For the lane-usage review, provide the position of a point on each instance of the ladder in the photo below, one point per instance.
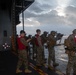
(13, 39)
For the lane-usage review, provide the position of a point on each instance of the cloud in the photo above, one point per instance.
(73, 3)
(50, 16)
(71, 14)
(30, 22)
(35, 8)
(53, 3)
(71, 10)
(38, 8)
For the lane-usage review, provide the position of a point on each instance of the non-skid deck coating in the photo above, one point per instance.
(8, 63)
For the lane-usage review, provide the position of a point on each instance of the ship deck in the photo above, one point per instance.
(8, 62)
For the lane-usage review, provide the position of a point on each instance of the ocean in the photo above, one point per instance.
(60, 56)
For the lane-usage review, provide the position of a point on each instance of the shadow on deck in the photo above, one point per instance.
(8, 62)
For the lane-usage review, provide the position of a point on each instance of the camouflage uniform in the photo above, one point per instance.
(39, 51)
(22, 59)
(71, 55)
(22, 54)
(44, 37)
(39, 56)
(71, 64)
(51, 43)
(34, 47)
(44, 40)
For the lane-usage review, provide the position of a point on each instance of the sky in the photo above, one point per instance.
(48, 15)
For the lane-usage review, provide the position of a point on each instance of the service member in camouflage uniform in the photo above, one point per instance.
(44, 37)
(44, 40)
(71, 51)
(22, 52)
(34, 48)
(39, 46)
(51, 43)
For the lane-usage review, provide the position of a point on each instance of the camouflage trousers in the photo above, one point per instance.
(71, 64)
(22, 59)
(51, 56)
(43, 55)
(34, 51)
(39, 59)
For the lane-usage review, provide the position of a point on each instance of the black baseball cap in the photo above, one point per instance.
(38, 30)
(22, 31)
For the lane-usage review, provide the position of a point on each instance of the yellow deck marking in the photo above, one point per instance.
(41, 72)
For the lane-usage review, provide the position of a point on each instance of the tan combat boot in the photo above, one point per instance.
(55, 64)
(27, 71)
(18, 71)
(51, 67)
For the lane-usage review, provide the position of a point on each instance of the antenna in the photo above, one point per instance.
(23, 14)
